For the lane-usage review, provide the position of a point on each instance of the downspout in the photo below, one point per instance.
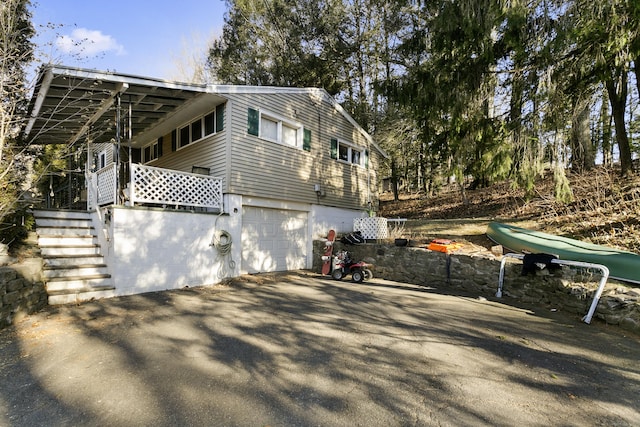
(130, 137)
(88, 175)
(117, 153)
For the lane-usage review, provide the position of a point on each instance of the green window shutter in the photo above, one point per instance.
(220, 117)
(174, 140)
(306, 140)
(253, 122)
(334, 148)
(366, 158)
(160, 143)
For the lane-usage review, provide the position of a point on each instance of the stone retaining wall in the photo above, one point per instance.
(22, 291)
(567, 289)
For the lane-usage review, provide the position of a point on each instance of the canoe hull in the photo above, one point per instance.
(622, 265)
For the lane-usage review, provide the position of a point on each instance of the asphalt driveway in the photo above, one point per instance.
(297, 349)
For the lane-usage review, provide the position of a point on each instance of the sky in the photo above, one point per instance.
(150, 38)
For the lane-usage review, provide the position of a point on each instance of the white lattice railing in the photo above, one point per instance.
(106, 185)
(174, 188)
(372, 227)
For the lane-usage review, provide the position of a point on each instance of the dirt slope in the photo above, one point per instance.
(605, 210)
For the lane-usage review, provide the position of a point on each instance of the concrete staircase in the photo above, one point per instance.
(74, 268)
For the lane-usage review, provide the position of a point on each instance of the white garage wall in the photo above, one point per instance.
(151, 250)
(326, 218)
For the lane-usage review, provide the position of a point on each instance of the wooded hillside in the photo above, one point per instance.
(605, 210)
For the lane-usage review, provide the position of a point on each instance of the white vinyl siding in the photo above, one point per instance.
(262, 169)
(209, 153)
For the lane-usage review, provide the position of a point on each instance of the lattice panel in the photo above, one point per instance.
(106, 178)
(372, 227)
(164, 186)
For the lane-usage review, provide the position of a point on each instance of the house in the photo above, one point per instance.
(180, 184)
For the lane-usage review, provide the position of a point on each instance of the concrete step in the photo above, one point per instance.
(62, 222)
(64, 230)
(73, 250)
(60, 260)
(86, 294)
(64, 240)
(62, 285)
(60, 214)
(74, 271)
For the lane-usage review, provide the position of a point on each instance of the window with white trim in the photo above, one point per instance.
(273, 128)
(348, 153)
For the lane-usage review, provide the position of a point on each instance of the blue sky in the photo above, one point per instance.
(141, 37)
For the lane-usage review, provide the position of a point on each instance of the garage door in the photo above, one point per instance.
(273, 240)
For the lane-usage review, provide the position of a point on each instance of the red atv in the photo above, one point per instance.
(343, 265)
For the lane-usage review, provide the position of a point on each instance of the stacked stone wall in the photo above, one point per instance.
(567, 288)
(19, 294)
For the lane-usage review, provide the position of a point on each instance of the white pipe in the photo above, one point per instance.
(603, 280)
(502, 264)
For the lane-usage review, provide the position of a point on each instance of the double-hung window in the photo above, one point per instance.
(273, 128)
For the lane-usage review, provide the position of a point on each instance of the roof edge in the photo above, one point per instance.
(62, 70)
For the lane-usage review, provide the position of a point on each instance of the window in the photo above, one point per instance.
(348, 153)
(102, 159)
(196, 130)
(209, 123)
(289, 135)
(273, 128)
(185, 136)
(201, 127)
(269, 129)
(153, 151)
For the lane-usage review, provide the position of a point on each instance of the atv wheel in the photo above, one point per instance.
(337, 274)
(368, 274)
(357, 276)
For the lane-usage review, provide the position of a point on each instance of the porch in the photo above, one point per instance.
(152, 186)
(143, 186)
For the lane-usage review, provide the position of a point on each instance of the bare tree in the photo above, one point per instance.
(16, 52)
(190, 64)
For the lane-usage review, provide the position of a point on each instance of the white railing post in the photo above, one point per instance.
(133, 171)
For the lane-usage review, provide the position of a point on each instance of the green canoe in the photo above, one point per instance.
(622, 265)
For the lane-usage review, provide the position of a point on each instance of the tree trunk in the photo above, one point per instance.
(394, 179)
(515, 121)
(605, 119)
(636, 65)
(582, 150)
(617, 89)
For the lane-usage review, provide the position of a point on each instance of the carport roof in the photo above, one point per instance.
(71, 102)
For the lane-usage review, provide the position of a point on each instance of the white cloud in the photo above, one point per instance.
(82, 41)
